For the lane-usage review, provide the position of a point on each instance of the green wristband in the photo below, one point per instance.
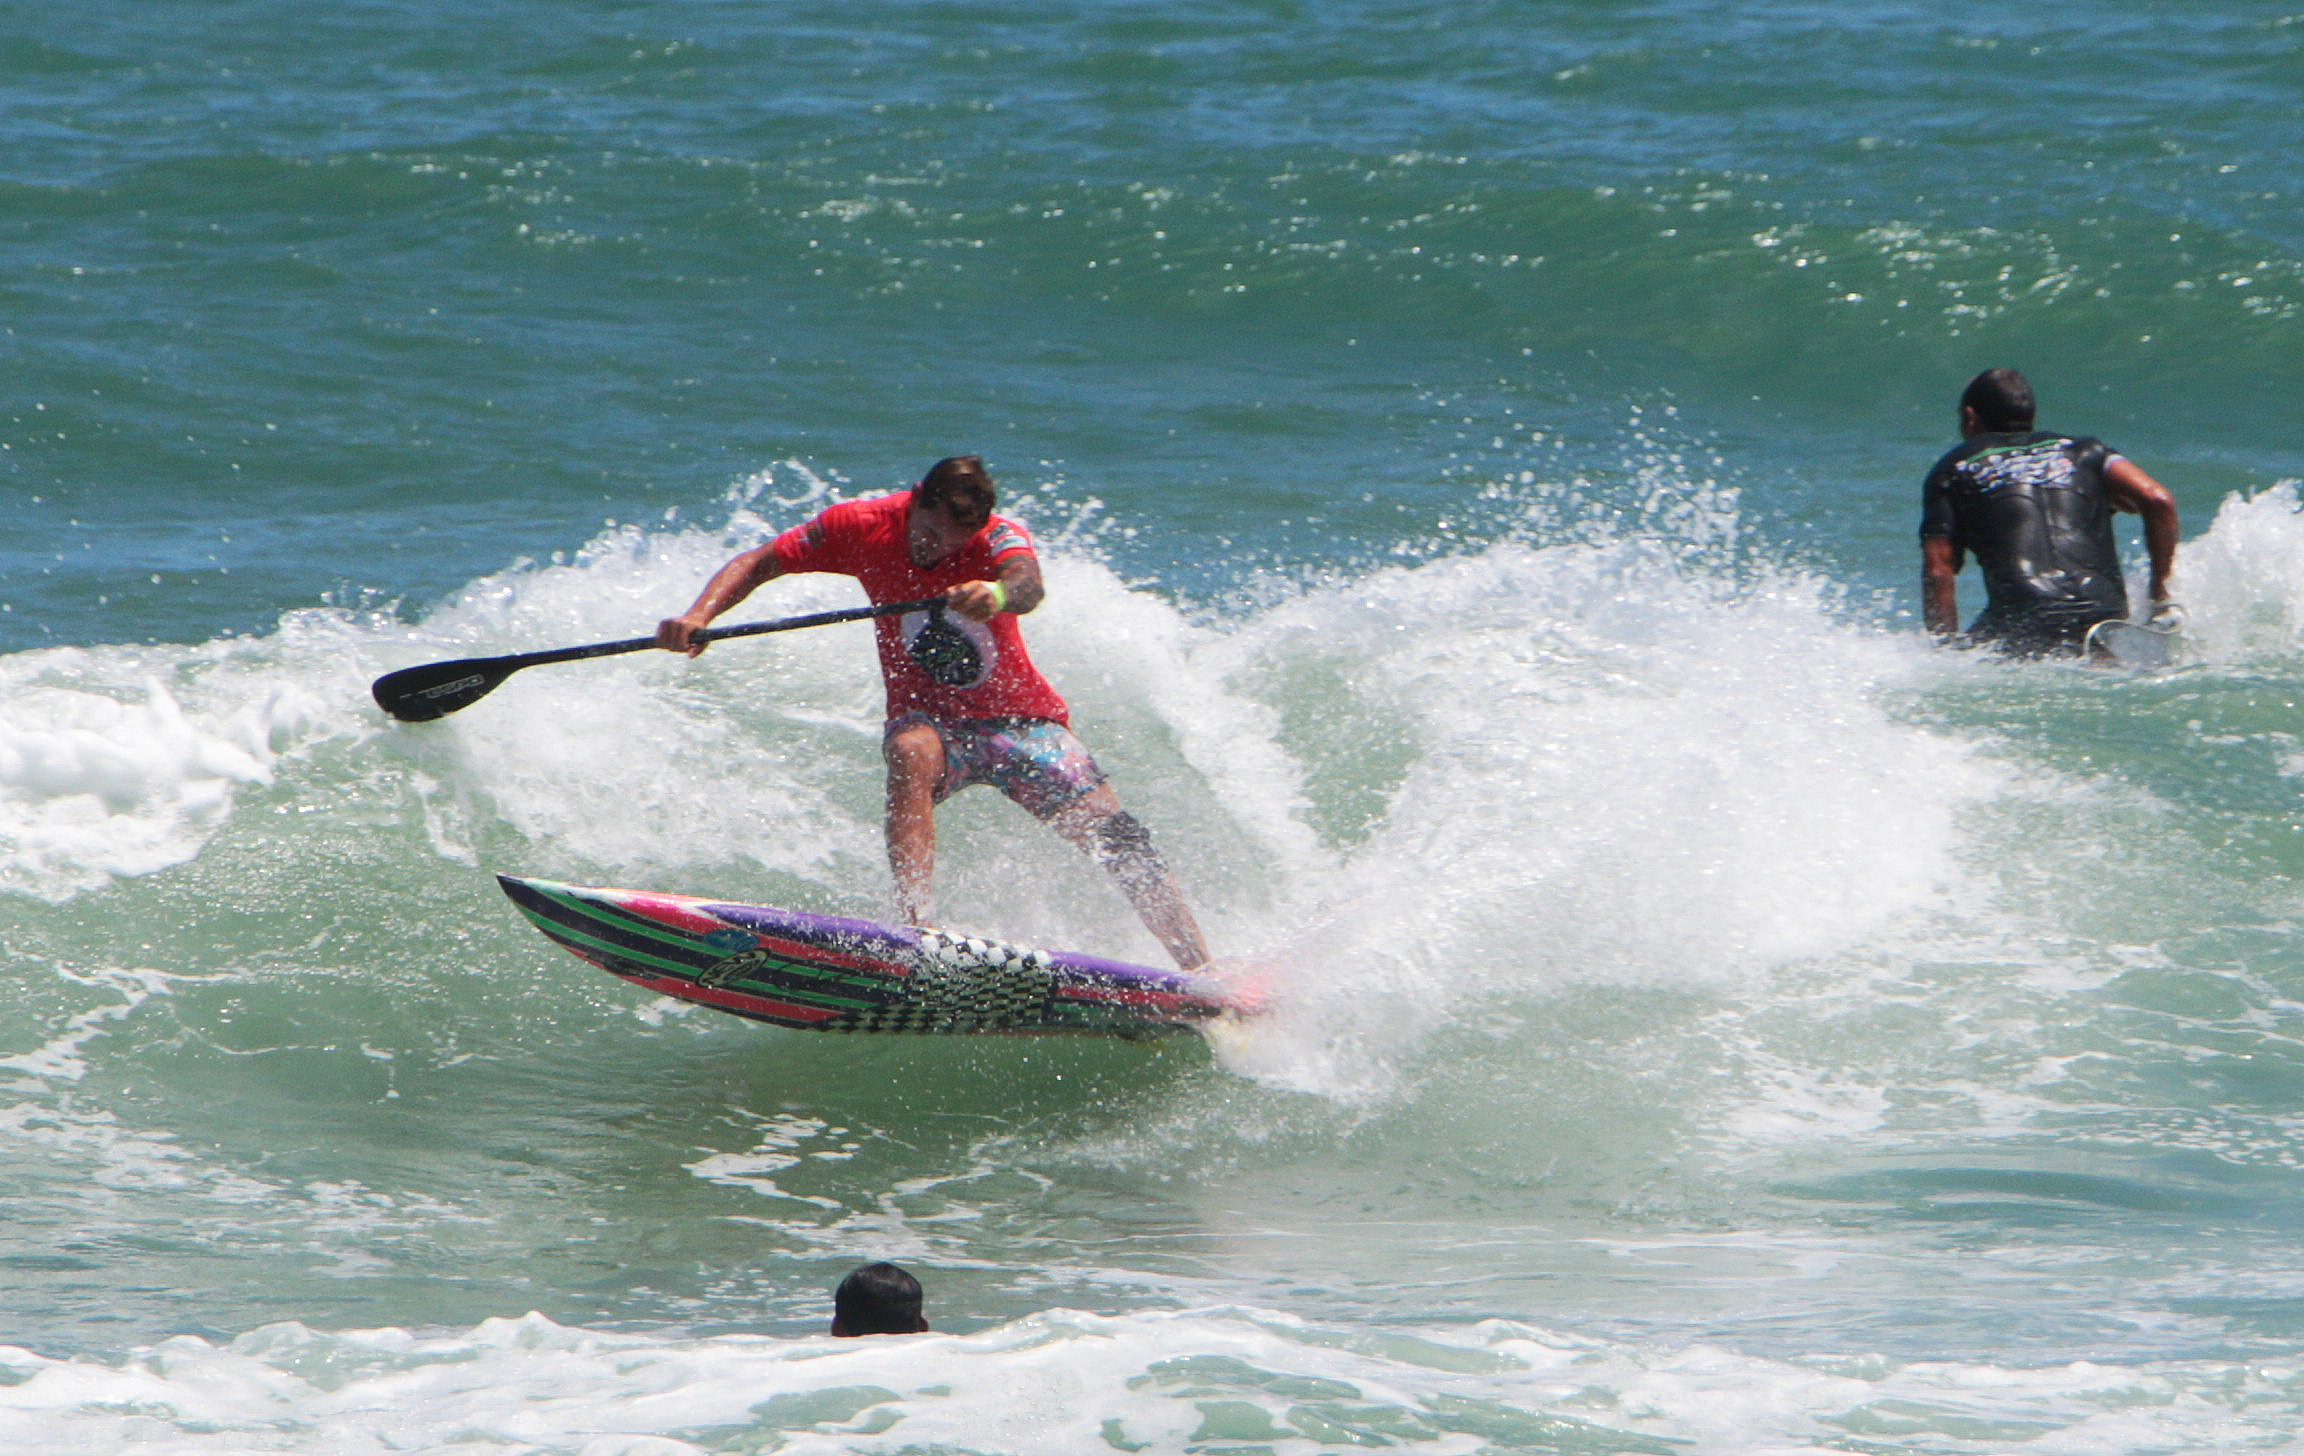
(999, 596)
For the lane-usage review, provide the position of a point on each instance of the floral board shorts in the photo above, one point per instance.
(1035, 762)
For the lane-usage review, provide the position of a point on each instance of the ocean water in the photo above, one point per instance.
(1475, 453)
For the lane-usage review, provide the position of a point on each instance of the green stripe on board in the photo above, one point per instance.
(656, 930)
(554, 930)
(814, 993)
(623, 919)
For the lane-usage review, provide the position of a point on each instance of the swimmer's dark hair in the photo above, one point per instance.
(2002, 399)
(962, 486)
(877, 1299)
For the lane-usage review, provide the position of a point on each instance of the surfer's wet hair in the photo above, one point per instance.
(2002, 399)
(877, 1299)
(962, 487)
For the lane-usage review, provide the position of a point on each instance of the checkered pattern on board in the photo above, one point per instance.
(961, 983)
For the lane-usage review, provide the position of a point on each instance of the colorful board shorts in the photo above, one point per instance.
(1034, 761)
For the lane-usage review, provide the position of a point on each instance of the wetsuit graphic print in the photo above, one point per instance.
(2045, 465)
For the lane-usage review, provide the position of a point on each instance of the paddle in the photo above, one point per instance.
(420, 694)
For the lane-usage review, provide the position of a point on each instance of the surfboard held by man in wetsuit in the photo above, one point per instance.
(2144, 645)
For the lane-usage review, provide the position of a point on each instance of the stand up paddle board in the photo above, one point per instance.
(827, 973)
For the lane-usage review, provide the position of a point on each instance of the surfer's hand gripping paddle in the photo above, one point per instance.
(420, 694)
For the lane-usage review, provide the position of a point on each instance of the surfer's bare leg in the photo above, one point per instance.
(915, 754)
(1113, 838)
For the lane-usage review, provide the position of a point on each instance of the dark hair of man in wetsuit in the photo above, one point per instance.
(2002, 399)
(962, 486)
(877, 1299)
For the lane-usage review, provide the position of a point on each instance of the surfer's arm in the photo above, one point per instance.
(729, 585)
(1020, 589)
(1939, 585)
(2132, 490)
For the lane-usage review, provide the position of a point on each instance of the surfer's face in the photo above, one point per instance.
(931, 534)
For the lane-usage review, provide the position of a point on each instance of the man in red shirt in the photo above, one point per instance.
(965, 704)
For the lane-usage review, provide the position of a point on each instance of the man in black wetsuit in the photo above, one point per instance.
(2036, 508)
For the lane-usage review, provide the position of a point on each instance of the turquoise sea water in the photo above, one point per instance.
(1475, 451)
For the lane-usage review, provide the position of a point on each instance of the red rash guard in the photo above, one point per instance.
(866, 540)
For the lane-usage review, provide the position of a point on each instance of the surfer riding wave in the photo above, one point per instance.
(964, 703)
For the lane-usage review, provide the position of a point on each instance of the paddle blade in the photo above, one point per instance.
(420, 694)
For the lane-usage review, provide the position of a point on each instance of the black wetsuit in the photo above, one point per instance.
(2035, 510)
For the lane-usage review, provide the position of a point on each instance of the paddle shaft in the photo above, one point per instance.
(420, 694)
(714, 634)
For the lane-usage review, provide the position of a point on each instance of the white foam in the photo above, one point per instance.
(1623, 772)
(2242, 580)
(63, 1057)
(1066, 1382)
(104, 773)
